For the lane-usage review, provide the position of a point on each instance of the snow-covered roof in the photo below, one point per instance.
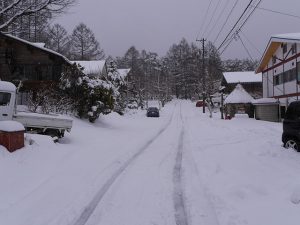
(262, 101)
(37, 45)
(7, 86)
(242, 77)
(123, 72)
(10, 126)
(94, 67)
(273, 44)
(238, 95)
(291, 37)
(40, 45)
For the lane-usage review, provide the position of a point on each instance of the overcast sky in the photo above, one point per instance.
(154, 25)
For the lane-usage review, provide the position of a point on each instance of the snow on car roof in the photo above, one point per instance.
(242, 77)
(91, 67)
(7, 86)
(239, 95)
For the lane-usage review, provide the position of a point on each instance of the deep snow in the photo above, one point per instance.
(181, 168)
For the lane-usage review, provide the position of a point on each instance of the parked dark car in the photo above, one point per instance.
(291, 127)
(152, 112)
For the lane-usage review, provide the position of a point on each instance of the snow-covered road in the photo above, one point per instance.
(182, 168)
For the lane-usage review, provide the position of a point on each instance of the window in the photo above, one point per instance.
(286, 76)
(298, 70)
(293, 74)
(4, 99)
(278, 79)
(284, 48)
(274, 59)
(294, 48)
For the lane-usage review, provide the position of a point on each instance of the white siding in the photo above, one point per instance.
(265, 84)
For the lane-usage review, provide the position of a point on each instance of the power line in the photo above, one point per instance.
(230, 32)
(204, 19)
(245, 47)
(277, 12)
(233, 35)
(223, 26)
(218, 19)
(251, 43)
(212, 16)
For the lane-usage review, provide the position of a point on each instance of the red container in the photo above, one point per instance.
(12, 140)
(199, 103)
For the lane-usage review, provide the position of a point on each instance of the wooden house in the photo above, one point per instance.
(21, 60)
(251, 82)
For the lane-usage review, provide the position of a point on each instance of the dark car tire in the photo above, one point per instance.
(292, 143)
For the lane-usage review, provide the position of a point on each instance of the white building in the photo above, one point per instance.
(280, 66)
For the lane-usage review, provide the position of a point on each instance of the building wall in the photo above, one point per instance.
(19, 61)
(280, 80)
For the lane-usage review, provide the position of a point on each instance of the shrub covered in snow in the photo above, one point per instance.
(91, 96)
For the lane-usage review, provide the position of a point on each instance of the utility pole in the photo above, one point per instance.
(203, 72)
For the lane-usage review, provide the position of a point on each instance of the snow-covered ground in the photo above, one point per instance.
(182, 168)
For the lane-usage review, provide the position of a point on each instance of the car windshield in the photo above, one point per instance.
(152, 109)
(4, 98)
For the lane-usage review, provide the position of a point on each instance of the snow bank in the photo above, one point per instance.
(10, 126)
(239, 95)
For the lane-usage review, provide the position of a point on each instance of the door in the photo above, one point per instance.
(6, 106)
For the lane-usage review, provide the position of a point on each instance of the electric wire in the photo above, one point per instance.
(233, 35)
(277, 12)
(227, 18)
(212, 16)
(247, 50)
(250, 42)
(204, 19)
(230, 32)
(218, 19)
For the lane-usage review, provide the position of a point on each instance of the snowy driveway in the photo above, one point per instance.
(182, 168)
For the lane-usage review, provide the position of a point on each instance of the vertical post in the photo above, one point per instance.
(203, 72)
(222, 105)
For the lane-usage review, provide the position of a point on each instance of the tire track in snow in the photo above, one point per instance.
(181, 217)
(90, 208)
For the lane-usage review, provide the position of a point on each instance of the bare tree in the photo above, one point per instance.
(84, 44)
(12, 10)
(58, 39)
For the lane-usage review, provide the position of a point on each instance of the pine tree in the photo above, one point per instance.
(84, 44)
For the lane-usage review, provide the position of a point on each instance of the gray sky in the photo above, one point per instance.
(154, 25)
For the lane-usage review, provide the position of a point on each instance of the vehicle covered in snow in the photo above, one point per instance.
(49, 124)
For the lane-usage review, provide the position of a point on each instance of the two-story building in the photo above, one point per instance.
(280, 68)
(32, 63)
